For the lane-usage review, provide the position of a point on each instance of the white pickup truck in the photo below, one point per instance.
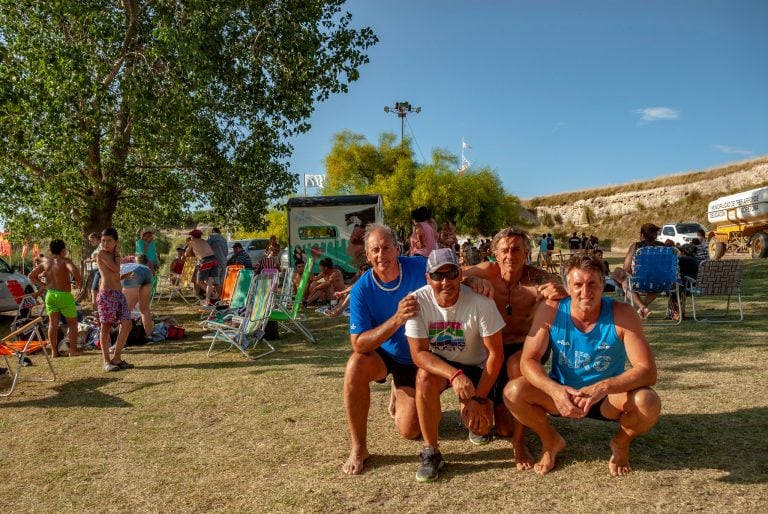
(681, 233)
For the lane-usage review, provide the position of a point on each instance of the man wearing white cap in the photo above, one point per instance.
(455, 341)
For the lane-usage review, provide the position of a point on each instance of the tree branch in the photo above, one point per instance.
(132, 15)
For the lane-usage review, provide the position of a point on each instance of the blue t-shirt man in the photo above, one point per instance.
(371, 303)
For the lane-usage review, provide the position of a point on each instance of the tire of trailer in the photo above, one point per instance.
(759, 245)
(716, 249)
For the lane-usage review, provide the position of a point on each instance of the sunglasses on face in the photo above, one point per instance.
(438, 276)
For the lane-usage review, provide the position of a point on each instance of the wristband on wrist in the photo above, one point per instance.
(455, 374)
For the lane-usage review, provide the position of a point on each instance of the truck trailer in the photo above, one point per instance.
(739, 224)
(333, 224)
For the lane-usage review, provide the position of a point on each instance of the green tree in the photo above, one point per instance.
(125, 113)
(353, 166)
(476, 200)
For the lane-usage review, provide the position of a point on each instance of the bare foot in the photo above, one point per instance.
(549, 457)
(619, 463)
(356, 462)
(392, 397)
(644, 312)
(523, 458)
(332, 313)
(76, 353)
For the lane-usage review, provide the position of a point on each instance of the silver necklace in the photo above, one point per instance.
(389, 289)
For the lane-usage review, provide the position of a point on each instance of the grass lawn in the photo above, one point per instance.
(186, 433)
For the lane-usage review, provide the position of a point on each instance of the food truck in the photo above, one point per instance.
(333, 224)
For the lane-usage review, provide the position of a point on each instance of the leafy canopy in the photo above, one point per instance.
(131, 112)
(475, 200)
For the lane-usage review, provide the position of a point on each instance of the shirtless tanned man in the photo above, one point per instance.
(456, 343)
(208, 265)
(591, 338)
(517, 289)
(326, 283)
(379, 307)
(111, 303)
(59, 301)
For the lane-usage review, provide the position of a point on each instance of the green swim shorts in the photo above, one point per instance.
(60, 301)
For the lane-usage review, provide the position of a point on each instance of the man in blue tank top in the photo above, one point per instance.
(379, 305)
(591, 337)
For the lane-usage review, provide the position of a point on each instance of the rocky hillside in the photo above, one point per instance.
(616, 212)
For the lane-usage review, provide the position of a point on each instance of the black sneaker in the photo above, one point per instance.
(431, 462)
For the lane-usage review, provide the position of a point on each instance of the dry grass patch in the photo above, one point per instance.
(185, 433)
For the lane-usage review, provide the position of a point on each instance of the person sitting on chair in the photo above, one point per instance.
(326, 283)
(240, 256)
(648, 233)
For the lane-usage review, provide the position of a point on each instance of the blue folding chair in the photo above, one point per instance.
(655, 271)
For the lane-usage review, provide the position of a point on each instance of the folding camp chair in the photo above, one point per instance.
(655, 271)
(286, 311)
(152, 295)
(245, 333)
(717, 278)
(286, 288)
(29, 305)
(227, 289)
(15, 351)
(238, 300)
(177, 284)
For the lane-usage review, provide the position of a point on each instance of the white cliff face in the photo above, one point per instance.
(629, 202)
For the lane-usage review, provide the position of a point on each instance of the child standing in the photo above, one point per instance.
(58, 297)
(110, 301)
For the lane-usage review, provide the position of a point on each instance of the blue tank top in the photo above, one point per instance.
(581, 359)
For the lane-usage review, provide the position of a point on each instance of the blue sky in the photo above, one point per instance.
(558, 95)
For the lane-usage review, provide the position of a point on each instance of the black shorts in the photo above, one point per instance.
(509, 349)
(474, 373)
(403, 375)
(594, 412)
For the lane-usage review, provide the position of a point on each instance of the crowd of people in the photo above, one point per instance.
(481, 320)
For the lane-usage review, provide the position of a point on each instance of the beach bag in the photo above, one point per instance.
(176, 332)
(137, 336)
(271, 332)
(208, 264)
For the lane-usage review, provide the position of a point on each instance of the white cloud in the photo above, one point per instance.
(731, 149)
(658, 113)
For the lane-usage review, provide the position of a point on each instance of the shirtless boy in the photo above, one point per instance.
(58, 298)
(111, 303)
(208, 265)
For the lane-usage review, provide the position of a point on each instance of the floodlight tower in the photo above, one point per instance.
(402, 109)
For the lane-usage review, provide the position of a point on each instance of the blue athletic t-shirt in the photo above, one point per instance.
(370, 306)
(581, 359)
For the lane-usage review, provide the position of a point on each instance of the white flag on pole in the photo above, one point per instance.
(314, 180)
(465, 145)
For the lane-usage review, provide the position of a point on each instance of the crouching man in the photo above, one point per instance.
(591, 338)
(455, 341)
